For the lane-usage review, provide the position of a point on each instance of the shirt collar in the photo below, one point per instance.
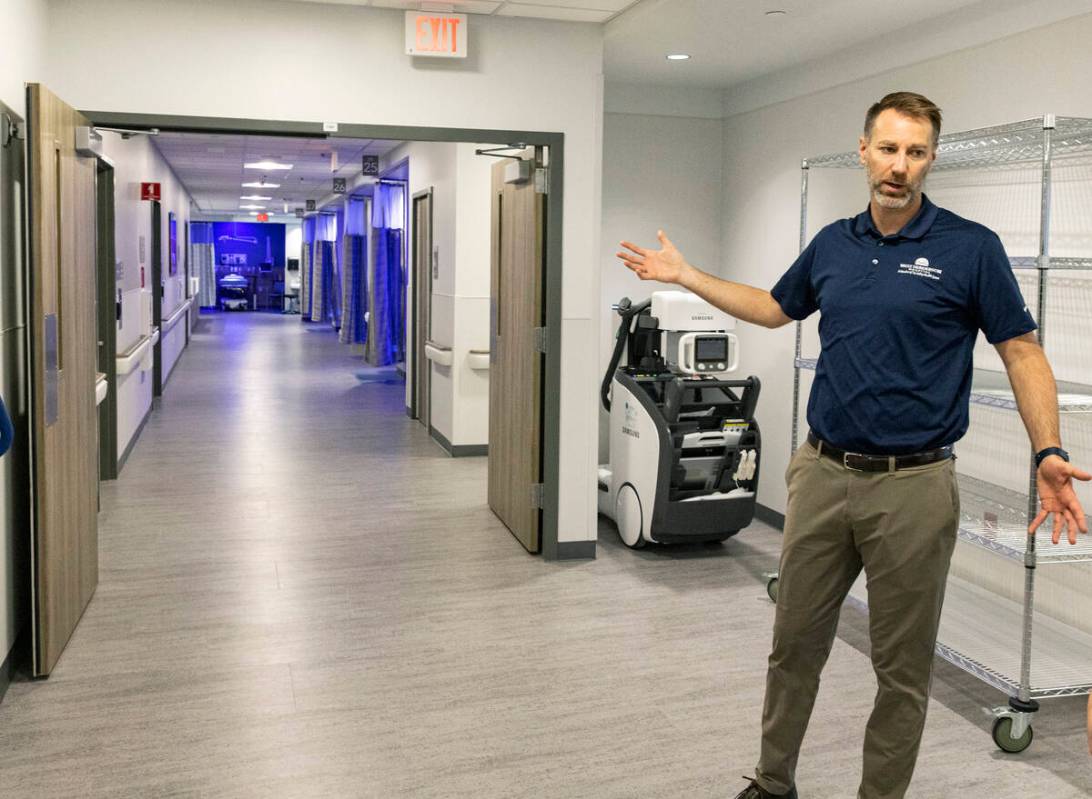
(916, 228)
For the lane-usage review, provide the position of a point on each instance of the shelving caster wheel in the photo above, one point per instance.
(771, 587)
(1004, 729)
(1012, 730)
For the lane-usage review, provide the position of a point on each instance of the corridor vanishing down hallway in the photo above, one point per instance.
(302, 595)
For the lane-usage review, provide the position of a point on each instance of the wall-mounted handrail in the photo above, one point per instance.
(478, 359)
(128, 360)
(179, 312)
(438, 354)
(102, 388)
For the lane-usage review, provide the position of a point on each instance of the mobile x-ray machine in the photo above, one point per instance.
(684, 444)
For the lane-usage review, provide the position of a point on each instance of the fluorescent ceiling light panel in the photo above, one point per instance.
(269, 166)
(261, 185)
(259, 207)
(678, 57)
(255, 197)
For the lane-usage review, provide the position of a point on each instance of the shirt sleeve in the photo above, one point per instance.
(999, 307)
(794, 292)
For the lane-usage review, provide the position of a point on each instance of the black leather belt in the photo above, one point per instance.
(877, 463)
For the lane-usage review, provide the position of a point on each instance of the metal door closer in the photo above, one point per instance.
(684, 444)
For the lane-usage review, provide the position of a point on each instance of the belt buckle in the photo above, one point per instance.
(845, 461)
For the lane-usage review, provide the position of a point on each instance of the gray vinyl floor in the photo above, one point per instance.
(302, 596)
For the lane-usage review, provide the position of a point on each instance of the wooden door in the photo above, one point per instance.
(158, 290)
(515, 365)
(422, 297)
(63, 337)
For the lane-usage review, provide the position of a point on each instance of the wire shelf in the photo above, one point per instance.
(1032, 262)
(980, 633)
(1014, 143)
(1076, 401)
(996, 518)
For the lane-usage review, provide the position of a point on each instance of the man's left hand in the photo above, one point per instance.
(1056, 495)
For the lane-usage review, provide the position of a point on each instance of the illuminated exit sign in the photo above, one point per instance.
(436, 35)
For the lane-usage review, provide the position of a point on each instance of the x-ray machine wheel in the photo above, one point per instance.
(628, 515)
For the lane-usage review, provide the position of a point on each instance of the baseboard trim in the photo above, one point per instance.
(469, 450)
(457, 450)
(7, 671)
(575, 550)
(770, 516)
(133, 441)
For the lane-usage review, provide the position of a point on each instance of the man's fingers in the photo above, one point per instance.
(1078, 514)
(1038, 520)
(1057, 533)
(1080, 474)
(664, 240)
(1071, 527)
(631, 246)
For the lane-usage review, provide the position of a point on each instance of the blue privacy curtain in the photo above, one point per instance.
(325, 303)
(203, 258)
(354, 272)
(307, 258)
(387, 296)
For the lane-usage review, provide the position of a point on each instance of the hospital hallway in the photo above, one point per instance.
(301, 594)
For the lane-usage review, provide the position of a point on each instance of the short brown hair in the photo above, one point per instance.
(910, 104)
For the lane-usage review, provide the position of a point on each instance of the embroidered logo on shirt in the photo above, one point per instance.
(921, 268)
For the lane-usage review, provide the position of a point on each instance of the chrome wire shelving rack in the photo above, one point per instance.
(973, 633)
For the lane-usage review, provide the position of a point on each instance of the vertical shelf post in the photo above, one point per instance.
(1033, 494)
(799, 325)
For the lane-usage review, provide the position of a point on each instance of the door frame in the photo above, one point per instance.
(156, 248)
(420, 397)
(108, 310)
(552, 549)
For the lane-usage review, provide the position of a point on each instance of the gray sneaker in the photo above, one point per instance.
(754, 791)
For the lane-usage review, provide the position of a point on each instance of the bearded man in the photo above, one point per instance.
(902, 290)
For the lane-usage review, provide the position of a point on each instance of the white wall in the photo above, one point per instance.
(350, 67)
(461, 230)
(136, 160)
(21, 56)
(658, 172)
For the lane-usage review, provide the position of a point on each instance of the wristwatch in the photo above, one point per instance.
(1043, 453)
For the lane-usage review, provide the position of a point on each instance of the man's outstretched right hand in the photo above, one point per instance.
(666, 265)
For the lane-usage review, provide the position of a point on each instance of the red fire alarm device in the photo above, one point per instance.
(149, 191)
(263, 217)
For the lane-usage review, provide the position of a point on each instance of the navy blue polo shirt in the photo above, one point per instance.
(898, 320)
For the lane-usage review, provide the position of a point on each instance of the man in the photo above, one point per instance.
(903, 290)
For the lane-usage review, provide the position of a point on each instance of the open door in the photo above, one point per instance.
(422, 307)
(63, 336)
(515, 361)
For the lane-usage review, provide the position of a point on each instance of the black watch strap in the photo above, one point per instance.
(1043, 453)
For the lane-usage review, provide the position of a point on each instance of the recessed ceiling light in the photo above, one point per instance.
(254, 197)
(258, 207)
(262, 185)
(678, 57)
(267, 165)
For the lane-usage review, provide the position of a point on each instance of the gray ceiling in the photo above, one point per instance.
(211, 167)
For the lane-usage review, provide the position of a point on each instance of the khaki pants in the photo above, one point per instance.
(901, 527)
